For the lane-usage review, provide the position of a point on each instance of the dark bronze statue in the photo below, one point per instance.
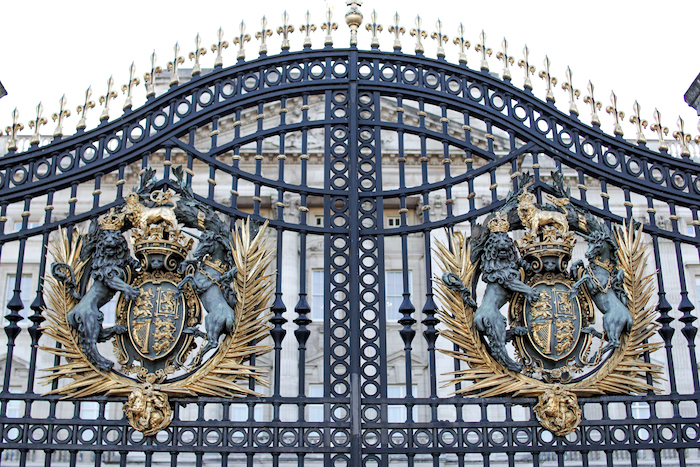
(500, 269)
(603, 278)
(212, 270)
(109, 266)
(211, 273)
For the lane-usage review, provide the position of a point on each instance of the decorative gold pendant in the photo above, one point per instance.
(148, 410)
(558, 410)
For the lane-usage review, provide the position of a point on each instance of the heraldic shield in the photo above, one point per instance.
(167, 289)
(555, 323)
(155, 322)
(550, 345)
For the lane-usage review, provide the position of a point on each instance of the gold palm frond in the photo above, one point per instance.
(254, 288)
(626, 371)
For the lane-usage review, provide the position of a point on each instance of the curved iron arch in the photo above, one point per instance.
(624, 151)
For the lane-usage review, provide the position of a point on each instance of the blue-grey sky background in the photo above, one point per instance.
(642, 50)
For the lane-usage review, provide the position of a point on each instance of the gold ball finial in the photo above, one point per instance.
(353, 18)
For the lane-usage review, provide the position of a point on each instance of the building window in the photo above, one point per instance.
(319, 221)
(25, 295)
(394, 294)
(30, 225)
(314, 412)
(317, 287)
(640, 411)
(397, 413)
(15, 408)
(239, 412)
(393, 222)
(89, 410)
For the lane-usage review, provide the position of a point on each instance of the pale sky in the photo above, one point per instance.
(642, 50)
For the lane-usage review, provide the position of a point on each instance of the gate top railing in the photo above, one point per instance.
(38, 163)
(678, 143)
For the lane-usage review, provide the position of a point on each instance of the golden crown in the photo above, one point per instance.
(553, 243)
(112, 220)
(161, 239)
(499, 223)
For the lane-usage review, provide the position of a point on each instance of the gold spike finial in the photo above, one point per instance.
(636, 118)
(106, 98)
(128, 88)
(397, 30)
(172, 66)
(262, 35)
(240, 41)
(573, 92)
(13, 130)
(481, 47)
(82, 109)
(463, 44)
(612, 109)
(595, 105)
(419, 33)
(353, 18)
(374, 27)
(660, 130)
(550, 80)
(62, 113)
(149, 79)
(329, 26)
(682, 138)
(529, 69)
(507, 59)
(308, 28)
(286, 29)
(219, 48)
(440, 38)
(198, 52)
(36, 123)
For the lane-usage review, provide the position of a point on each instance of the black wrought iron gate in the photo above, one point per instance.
(359, 159)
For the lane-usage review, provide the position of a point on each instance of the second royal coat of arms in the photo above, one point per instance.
(551, 344)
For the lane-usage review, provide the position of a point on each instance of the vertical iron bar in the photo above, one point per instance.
(354, 241)
(685, 306)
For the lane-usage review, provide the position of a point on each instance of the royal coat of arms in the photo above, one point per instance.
(167, 290)
(550, 344)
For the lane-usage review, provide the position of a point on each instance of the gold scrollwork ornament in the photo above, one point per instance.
(558, 410)
(148, 410)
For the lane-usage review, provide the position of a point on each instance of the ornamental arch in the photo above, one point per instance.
(361, 160)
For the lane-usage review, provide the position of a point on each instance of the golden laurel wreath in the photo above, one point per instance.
(624, 372)
(216, 377)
